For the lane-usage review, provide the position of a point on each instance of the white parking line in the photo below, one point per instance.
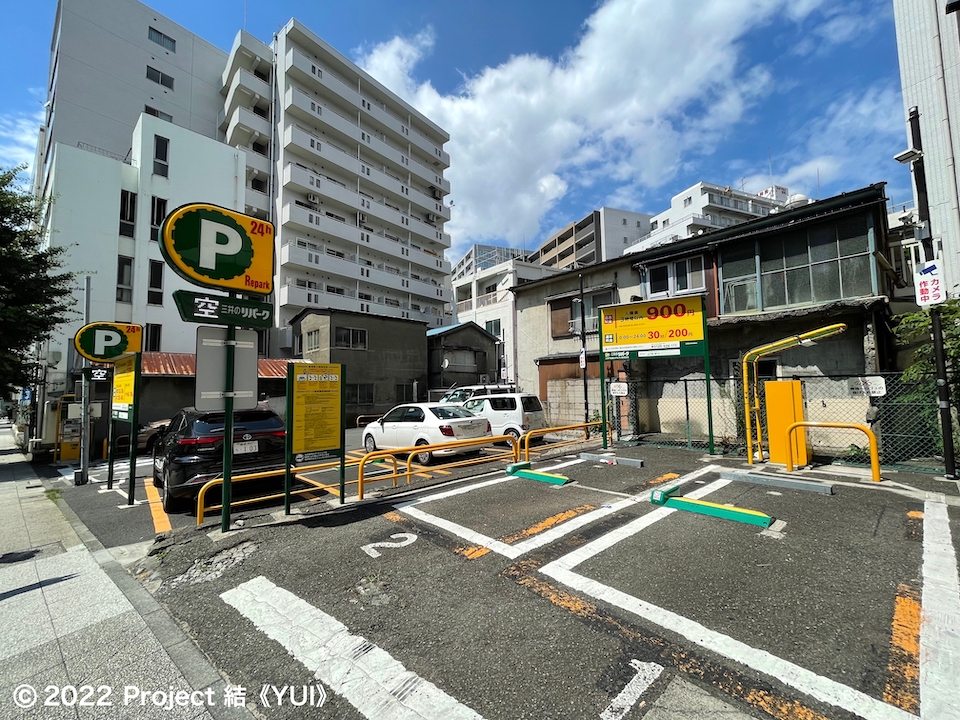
(368, 677)
(647, 672)
(939, 617)
(814, 685)
(544, 538)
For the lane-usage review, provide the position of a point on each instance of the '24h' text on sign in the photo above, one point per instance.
(659, 328)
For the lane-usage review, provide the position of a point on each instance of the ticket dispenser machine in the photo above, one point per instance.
(784, 405)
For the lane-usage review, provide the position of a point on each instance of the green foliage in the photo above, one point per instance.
(34, 296)
(913, 328)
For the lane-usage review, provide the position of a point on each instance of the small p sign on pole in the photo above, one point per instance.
(104, 342)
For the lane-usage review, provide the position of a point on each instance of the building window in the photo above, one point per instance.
(687, 201)
(405, 393)
(654, 224)
(311, 341)
(160, 39)
(158, 113)
(152, 339)
(259, 148)
(161, 156)
(361, 394)
(675, 278)
(128, 213)
(493, 327)
(258, 185)
(351, 338)
(155, 283)
(158, 211)
(160, 77)
(624, 221)
(124, 279)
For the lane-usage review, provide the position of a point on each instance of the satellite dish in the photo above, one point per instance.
(445, 364)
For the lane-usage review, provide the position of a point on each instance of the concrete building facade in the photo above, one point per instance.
(928, 45)
(602, 235)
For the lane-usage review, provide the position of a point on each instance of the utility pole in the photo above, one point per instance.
(914, 157)
(83, 477)
(583, 353)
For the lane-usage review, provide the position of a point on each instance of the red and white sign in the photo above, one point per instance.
(929, 284)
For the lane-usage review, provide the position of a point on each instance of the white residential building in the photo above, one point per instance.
(482, 292)
(928, 44)
(602, 235)
(704, 207)
(292, 132)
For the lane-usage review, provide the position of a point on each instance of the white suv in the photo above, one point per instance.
(509, 413)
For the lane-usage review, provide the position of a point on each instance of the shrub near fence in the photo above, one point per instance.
(674, 412)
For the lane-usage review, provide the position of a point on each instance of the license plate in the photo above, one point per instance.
(239, 448)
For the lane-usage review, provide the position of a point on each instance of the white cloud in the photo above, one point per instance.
(646, 84)
(18, 138)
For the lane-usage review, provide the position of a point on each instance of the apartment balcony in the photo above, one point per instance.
(432, 176)
(434, 261)
(592, 324)
(494, 298)
(320, 258)
(429, 204)
(440, 158)
(310, 110)
(257, 165)
(247, 53)
(728, 203)
(302, 180)
(465, 306)
(245, 90)
(302, 142)
(306, 70)
(423, 287)
(307, 220)
(256, 200)
(244, 126)
(291, 295)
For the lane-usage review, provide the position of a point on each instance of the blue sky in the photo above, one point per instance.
(557, 107)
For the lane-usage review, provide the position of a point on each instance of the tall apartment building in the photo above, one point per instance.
(704, 207)
(928, 44)
(602, 235)
(143, 116)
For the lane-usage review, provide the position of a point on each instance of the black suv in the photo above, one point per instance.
(189, 451)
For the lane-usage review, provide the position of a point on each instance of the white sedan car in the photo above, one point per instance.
(424, 424)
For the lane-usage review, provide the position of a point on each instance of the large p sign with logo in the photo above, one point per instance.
(218, 248)
(105, 342)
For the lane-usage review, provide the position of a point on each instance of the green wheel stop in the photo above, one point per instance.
(702, 507)
(546, 477)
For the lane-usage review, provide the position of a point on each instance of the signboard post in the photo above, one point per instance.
(672, 327)
(315, 418)
(222, 249)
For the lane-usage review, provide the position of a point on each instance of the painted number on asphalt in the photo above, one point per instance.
(403, 539)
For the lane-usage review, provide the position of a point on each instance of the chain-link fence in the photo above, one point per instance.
(905, 417)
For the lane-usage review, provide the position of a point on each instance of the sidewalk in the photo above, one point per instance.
(71, 616)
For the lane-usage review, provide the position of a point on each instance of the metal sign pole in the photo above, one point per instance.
(111, 438)
(343, 425)
(231, 345)
(288, 442)
(603, 384)
(134, 419)
(706, 372)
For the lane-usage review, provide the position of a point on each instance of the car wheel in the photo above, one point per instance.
(170, 503)
(369, 444)
(425, 457)
(157, 480)
(512, 432)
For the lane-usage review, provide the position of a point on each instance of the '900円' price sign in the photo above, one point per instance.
(657, 328)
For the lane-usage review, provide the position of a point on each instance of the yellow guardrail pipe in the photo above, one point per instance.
(751, 405)
(526, 438)
(874, 453)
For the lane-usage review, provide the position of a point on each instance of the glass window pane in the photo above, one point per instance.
(771, 254)
(774, 292)
(826, 281)
(823, 244)
(855, 272)
(852, 233)
(795, 250)
(680, 275)
(738, 259)
(696, 273)
(798, 286)
(659, 279)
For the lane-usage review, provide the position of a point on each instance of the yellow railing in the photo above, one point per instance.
(874, 453)
(526, 438)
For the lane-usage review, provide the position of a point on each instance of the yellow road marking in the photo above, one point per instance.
(476, 551)
(161, 522)
(903, 668)
(915, 514)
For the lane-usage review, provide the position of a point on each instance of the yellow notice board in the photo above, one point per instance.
(124, 381)
(317, 406)
(672, 326)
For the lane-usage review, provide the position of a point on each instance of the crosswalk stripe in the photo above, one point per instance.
(368, 677)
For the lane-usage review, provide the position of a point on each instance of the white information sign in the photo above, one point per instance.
(928, 284)
(618, 389)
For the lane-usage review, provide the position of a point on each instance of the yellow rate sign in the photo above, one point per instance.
(316, 407)
(656, 326)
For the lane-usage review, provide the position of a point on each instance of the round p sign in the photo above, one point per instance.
(105, 342)
(218, 248)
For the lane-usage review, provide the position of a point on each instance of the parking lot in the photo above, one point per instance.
(517, 598)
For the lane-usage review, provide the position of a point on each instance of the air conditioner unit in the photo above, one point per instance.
(313, 198)
(431, 217)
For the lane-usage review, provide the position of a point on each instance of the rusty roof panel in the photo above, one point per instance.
(164, 364)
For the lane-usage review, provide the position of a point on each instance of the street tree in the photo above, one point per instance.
(35, 292)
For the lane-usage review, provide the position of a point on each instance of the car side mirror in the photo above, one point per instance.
(380, 420)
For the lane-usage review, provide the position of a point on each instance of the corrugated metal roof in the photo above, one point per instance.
(163, 364)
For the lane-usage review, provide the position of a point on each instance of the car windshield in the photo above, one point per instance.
(450, 412)
(456, 396)
(255, 421)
